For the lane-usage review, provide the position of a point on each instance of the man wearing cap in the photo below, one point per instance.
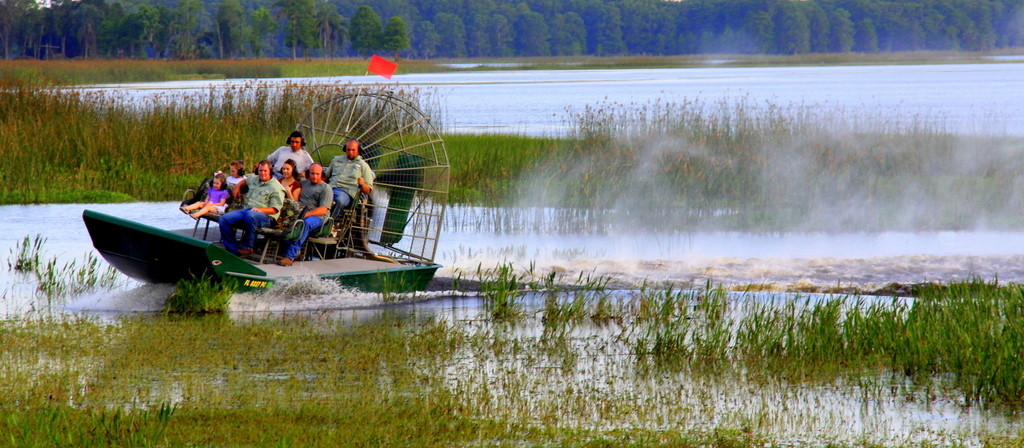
(264, 199)
(316, 197)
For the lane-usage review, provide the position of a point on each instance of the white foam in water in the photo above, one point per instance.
(142, 298)
(784, 261)
(315, 294)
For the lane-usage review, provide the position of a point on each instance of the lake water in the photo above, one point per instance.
(969, 98)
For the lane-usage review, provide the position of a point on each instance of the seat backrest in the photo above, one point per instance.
(199, 194)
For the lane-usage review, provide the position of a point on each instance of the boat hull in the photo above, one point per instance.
(153, 255)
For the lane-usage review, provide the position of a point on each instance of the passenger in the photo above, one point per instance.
(264, 199)
(290, 180)
(315, 197)
(349, 175)
(237, 171)
(216, 198)
(293, 151)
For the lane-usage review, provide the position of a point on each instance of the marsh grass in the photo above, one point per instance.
(739, 164)
(200, 295)
(26, 256)
(687, 368)
(106, 146)
(502, 288)
(59, 279)
(72, 72)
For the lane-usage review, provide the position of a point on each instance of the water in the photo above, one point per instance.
(968, 98)
(785, 261)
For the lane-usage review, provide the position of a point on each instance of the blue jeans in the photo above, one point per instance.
(312, 223)
(341, 201)
(248, 220)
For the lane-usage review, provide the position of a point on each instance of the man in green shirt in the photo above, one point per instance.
(349, 175)
(264, 199)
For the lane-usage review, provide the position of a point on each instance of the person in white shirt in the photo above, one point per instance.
(294, 152)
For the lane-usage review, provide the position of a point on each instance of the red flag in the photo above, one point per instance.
(381, 66)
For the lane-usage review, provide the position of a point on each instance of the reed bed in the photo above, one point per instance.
(737, 164)
(675, 368)
(98, 141)
(77, 72)
(56, 279)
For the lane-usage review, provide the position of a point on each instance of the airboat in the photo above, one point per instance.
(386, 242)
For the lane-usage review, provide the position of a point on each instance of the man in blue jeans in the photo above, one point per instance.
(264, 199)
(349, 175)
(316, 197)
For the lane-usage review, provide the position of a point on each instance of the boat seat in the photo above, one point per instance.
(286, 227)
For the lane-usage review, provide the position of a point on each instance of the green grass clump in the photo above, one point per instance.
(200, 295)
(502, 289)
(486, 168)
(56, 279)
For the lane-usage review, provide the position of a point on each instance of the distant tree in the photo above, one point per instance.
(365, 31)
(89, 16)
(759, 26)
(866, 37)
(818, 26)
(396, 36)
(263, 26)
(453, 35)
(426, 39)
(30, 30)
(231, 28)
(568, 35)
(842, 38)
(500, 36)
(793, 35)
(12, 13)
(604, 29)
(330, 29)
(300, 26)
(184, 28)
(531, 34)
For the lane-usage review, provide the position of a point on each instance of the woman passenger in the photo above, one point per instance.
(290, 181)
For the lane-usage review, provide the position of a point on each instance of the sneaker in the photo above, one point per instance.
(244, 252)
(285, 261)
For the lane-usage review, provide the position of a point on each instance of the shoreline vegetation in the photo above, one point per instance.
(110, 71)
(659, 166)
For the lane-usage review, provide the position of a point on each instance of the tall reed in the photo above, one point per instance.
(746, 165)
(57, 279)
(103, 141)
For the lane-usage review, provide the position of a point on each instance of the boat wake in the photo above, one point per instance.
(806, 263)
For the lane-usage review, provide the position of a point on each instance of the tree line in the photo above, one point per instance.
(191, 29)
